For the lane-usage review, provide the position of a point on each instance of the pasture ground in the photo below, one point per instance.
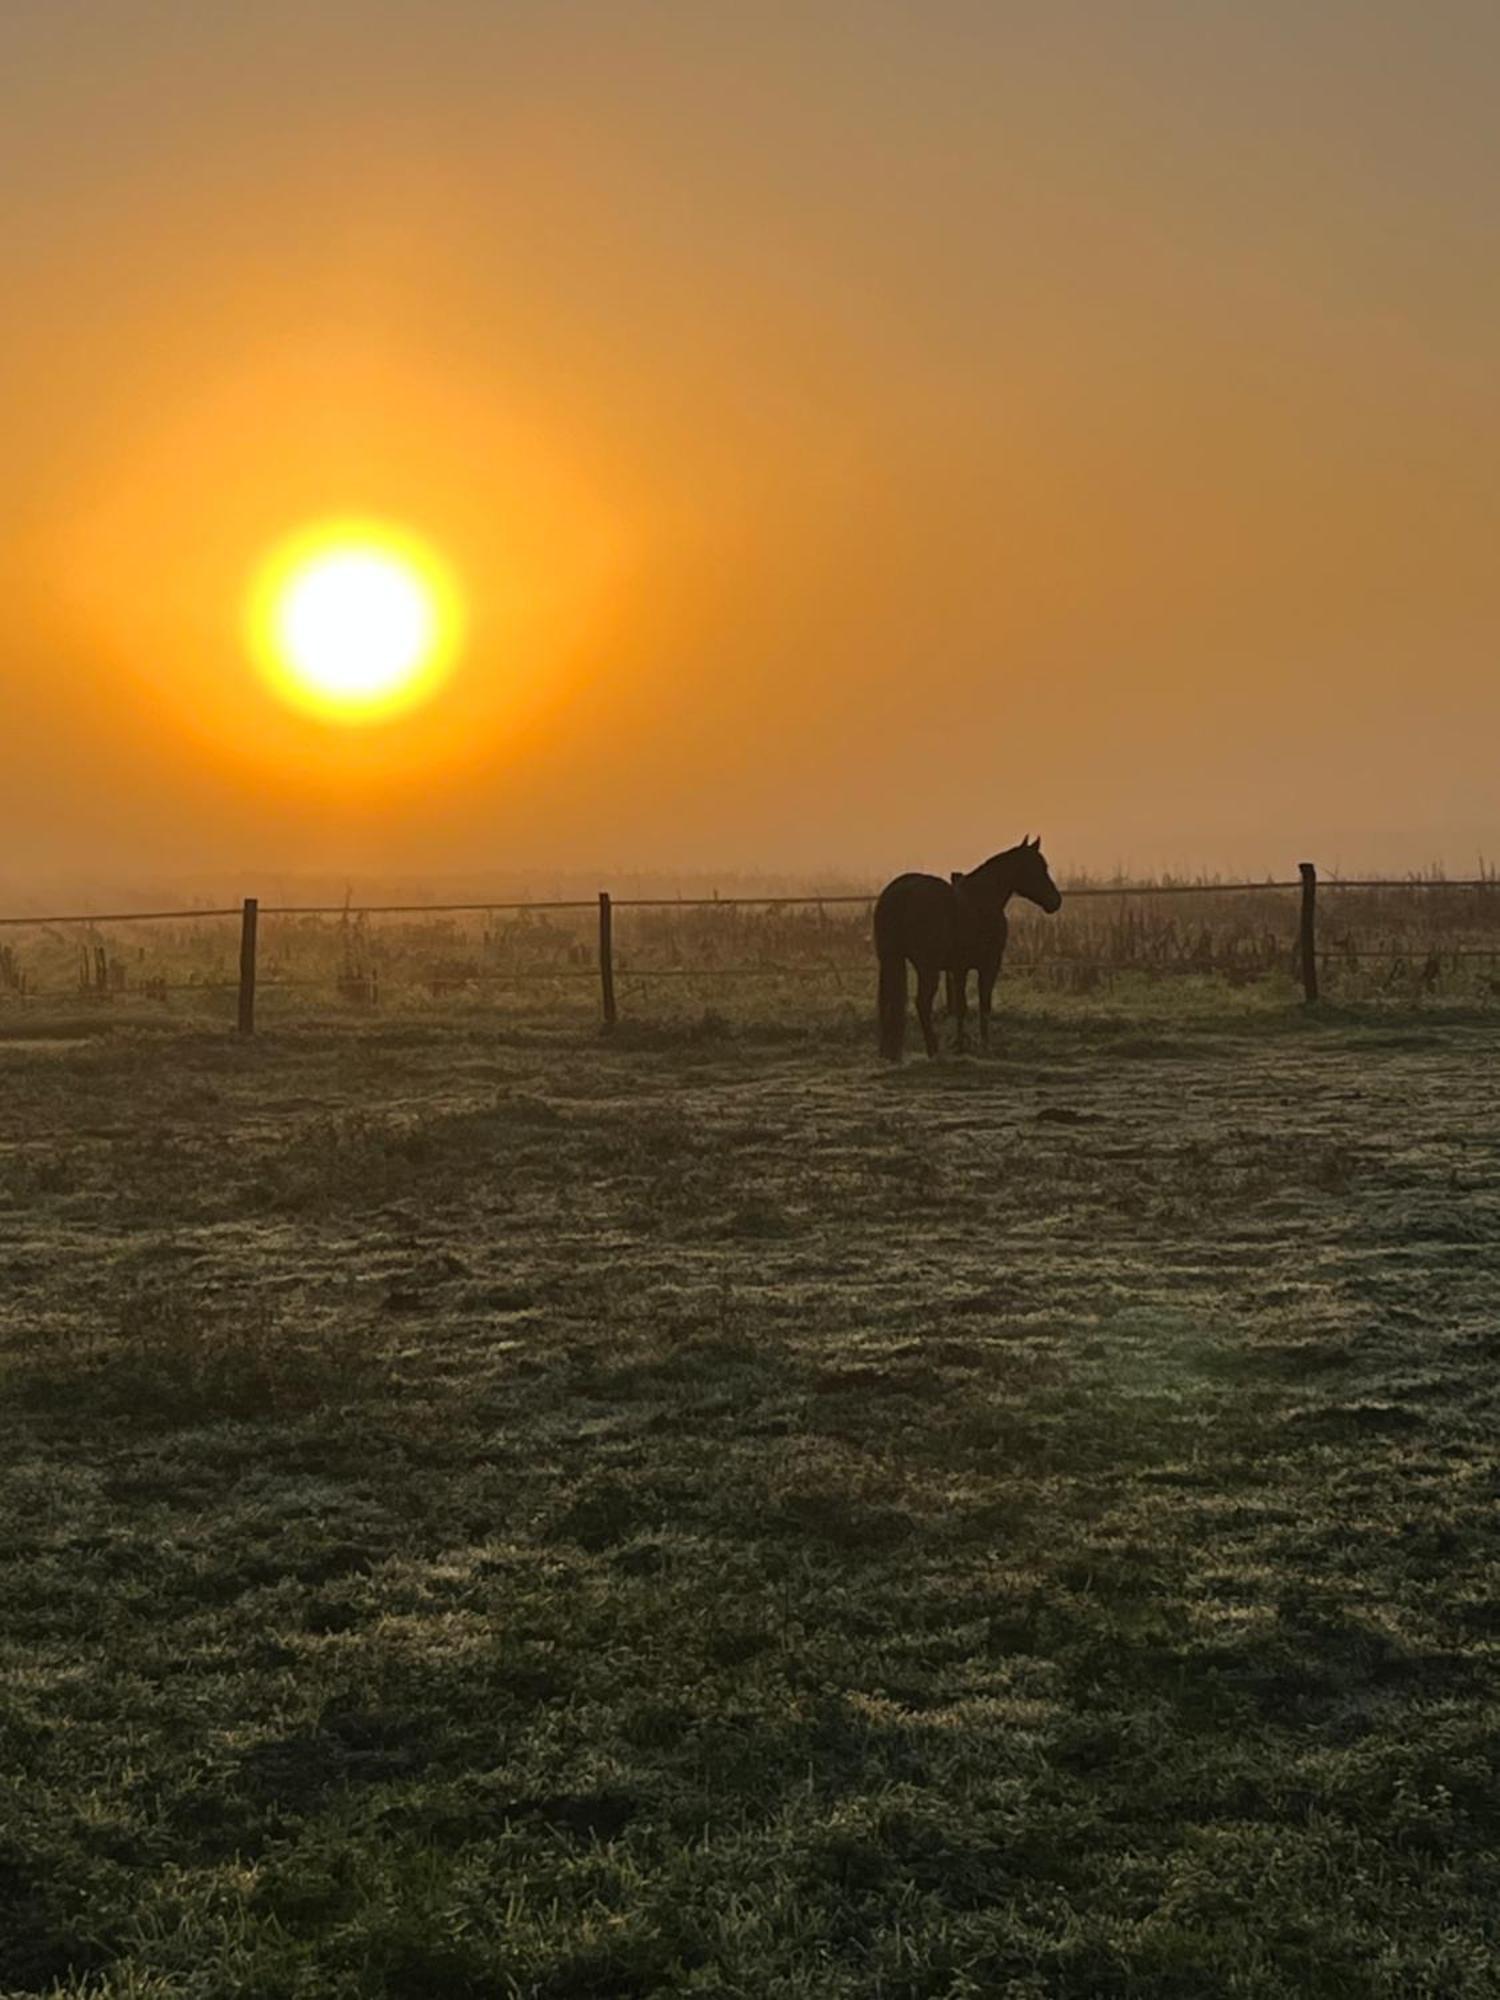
(505, 1513)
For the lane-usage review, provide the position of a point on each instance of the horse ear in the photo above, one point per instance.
(1036, 845)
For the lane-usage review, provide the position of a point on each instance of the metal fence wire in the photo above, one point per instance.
(1423, 932)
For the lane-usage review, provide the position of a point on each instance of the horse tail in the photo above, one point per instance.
(892, 1005)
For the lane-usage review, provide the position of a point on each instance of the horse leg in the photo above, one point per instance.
(987, 977)
(927, 986)
(958, 988)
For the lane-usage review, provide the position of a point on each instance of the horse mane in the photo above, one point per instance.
(992, 873)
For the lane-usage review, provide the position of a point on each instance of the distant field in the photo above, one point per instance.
(751, 962)
(492, 1511)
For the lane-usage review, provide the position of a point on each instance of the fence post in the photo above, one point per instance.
(248, 919)
(607, 957)
(1308, 949)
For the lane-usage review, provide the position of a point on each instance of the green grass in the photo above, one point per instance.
(503, 1513)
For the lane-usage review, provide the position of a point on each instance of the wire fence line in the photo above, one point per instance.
(1220, 943)
(809, 901)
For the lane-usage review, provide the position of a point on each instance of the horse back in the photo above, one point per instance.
(915, 916)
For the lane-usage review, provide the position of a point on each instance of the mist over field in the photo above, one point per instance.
(741, 1255)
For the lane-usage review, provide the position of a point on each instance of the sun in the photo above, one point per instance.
(354, 621)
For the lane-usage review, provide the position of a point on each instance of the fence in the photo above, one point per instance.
(1122, 945)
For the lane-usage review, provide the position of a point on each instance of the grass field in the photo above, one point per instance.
(495, 1512)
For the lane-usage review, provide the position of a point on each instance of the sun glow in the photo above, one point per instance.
(355, 621)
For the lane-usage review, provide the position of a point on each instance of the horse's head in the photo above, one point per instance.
(1031, 879)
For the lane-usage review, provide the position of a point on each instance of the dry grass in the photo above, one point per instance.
(755, 963)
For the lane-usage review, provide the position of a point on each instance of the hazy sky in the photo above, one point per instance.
(864, 432)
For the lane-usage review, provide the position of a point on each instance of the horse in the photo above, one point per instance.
(951, 927)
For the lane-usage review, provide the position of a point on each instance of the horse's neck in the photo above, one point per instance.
(992, 882)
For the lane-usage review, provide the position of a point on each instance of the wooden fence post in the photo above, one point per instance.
(607, 957)
(249, 917)
(1308, 949)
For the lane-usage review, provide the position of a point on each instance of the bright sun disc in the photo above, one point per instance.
(354, 621)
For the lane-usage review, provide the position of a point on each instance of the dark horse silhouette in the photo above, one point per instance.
(951, 927)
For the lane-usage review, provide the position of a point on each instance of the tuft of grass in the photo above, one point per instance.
(176, 1357)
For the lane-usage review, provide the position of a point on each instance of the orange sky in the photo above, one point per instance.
(865, 432)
